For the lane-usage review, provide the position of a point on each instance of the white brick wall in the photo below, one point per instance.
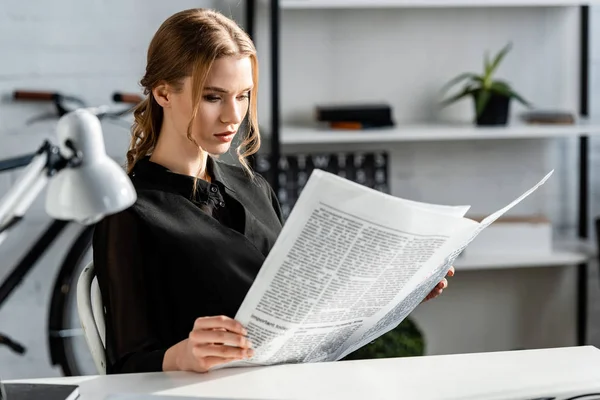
(88, 49)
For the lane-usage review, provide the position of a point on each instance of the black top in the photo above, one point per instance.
(171, 258)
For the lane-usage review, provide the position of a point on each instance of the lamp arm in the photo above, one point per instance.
(15, 203)
(16, 162)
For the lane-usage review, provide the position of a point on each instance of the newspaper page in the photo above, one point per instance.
(349, 265)
(400, 311)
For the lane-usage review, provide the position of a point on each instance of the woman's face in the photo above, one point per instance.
(223, 105)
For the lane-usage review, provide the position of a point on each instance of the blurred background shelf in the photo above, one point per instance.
(565, 252)
(319, 47)
(434, 132)
(557, 258)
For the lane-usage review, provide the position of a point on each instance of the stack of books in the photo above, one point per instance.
(549, 117)
(357, 116)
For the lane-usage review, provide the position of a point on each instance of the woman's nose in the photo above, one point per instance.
(232, 114)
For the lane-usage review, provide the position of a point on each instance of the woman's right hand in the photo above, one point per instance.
(212, 341)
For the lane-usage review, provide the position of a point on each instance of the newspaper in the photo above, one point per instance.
(349, 265)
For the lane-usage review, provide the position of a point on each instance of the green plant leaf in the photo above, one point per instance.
(482, 99)
(469, 90)
(519, 98)
(467, 75)
(499, 58)
(406, 340)
(486, 63)
(504, 89)
(501, 88)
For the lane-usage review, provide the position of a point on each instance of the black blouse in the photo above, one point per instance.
(173, 257)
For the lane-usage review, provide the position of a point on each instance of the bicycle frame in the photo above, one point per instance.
(43, 242)
(30, 183)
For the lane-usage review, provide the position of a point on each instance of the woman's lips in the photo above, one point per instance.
(225, 136)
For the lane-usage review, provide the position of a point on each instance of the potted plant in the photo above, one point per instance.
(491, 97)
(406, 340)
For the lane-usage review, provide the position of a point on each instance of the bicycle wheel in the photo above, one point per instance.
(68, 347)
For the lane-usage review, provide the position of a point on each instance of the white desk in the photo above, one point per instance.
(482, 376)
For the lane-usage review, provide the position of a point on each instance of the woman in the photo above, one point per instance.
(174, 268)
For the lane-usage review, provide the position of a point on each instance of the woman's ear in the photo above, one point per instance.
(162, 95)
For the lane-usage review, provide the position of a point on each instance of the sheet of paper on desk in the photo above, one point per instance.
(349, 265)
(164, 397)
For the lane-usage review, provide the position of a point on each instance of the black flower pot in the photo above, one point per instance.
(496, 111)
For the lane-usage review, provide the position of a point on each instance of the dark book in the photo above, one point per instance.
(549, 117)
(371, 114)
(357, 125)
(38, 391)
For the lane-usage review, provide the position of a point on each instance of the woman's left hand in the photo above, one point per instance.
(439, 288)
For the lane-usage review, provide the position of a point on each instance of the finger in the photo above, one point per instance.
(434, 293)
(220, 321)
(451, 271)
(221, 351)
(210, 362)
(201, 336)
(218, 329)
(443, 284)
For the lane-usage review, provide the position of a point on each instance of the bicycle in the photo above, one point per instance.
(65, 337)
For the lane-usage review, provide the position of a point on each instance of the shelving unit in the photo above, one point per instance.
(306, 4)
(558, 258)
(291, 135)
(299, 135)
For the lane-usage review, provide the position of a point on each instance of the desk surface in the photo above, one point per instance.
(498, 375)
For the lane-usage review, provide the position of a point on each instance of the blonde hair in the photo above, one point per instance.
(187, 44)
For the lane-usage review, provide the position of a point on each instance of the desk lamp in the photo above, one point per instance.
(84, 184)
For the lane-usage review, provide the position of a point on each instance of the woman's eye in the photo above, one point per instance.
(244, 96)
(211, 98)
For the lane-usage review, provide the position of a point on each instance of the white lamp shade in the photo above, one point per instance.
(98, 186)
(86, 194)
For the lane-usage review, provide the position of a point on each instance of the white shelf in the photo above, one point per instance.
(341, 4)
(558, 258)
(291, 135)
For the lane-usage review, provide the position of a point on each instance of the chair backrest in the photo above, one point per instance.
(91, 315)
(597, 231)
